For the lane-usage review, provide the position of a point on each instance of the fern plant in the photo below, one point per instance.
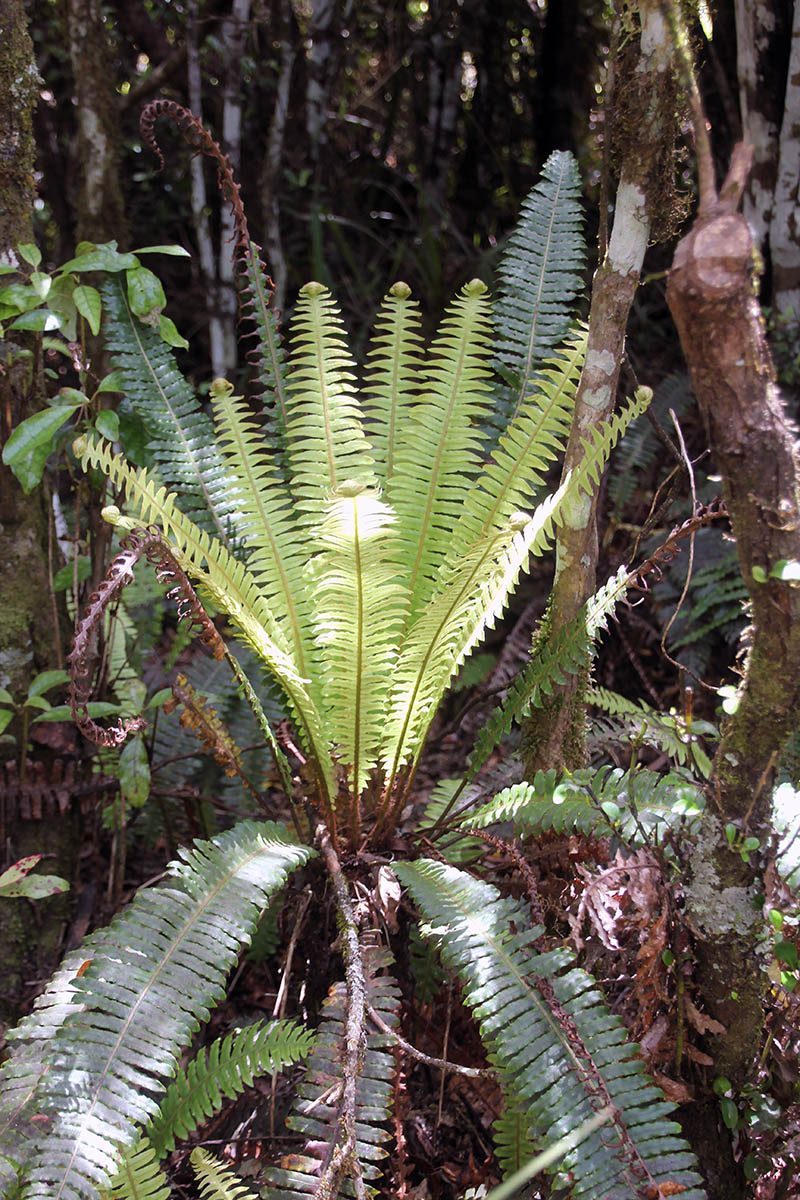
(360, 539)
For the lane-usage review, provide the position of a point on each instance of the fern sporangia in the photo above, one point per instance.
(360, 536)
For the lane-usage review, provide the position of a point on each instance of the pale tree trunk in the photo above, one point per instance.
(785, 228)
(99, 208)
(760, 46)
(234, 30)
(553, 735)
(29, 621)
(271, 175)
(199, 199)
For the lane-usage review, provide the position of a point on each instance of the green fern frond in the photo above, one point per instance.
(633, 805)
(268, 355)
(228, 582)
(530, 443)
(151, 980)
(553, 1039)
(217, 1182)
(326, 441)
(223, 1071)
(265, 522)
(512, 1141)
(539, 278)
(640, 721)
(180, 434)
(441, 447)
(392, 381)
(359, 609)
(565, 655)
(140, 1176)
(316, 1110)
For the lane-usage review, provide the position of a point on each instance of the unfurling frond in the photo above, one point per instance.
(553, 1039)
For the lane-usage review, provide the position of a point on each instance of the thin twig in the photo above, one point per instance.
(439, 1063)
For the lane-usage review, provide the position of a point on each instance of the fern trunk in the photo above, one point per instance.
(711, 297)
(554, 735)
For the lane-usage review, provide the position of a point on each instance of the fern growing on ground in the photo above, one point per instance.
(360, 539)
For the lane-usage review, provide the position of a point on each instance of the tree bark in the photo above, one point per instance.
(785, 227)
(711, 296)
(553, 735)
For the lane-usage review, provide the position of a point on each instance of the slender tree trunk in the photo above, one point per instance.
(785, 227)
(234, 29)
(29, 621)
(553, 736)
(271, 175)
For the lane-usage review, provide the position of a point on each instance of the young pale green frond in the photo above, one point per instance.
(359, 605)
(553, 1039)
(441, 445)
(179, 433)
(151, 980)
(217, 1182)
(326, 440)
(224, 1070)
(539, 279)
(636, 719)
(392, 379)
(473, 594)
(265, 525)
(229, 584)
(140, 1176)
(530, 444)
(316, 1110)
(567, 654)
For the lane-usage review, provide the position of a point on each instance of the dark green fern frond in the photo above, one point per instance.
(221, 1072)
(267, 356)
(539, 279)
(512, 1141)
(140, 1176)
(392, 377)
(316, 1109)
(180, 433)
(639, 721)
(566, 655)
(217, 1182)
(552, 1037)
(151, 979)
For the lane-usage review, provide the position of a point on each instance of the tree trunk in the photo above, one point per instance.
(29, 634)
(553, 735)
(711, 297)
(785, 228)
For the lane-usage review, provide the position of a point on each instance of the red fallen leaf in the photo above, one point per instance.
(700, 1021)
(665, 1189)
(673, 1089)
(698, 1056)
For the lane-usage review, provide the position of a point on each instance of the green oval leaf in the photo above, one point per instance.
(30, 253)
(63, 579)
(134, 772)
(102, 258)
(145, 294)
(176, 251)
(730, 1113)
(107, 424)
(29, 445)
(89, 305)
(169, 333)
(46, 680)
(40, 320)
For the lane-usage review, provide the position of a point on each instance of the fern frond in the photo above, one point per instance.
(513, 1144)
(441, 445)
(565, 655)
(228, 582)
(180, 434)
(392, 381)
(316, 1111)
(265, 523)
(539, 278)
(359, 605)
(268, 355)
(151, 980)
(140, 1177)
(668, 731)
(632, 805)
(530, 443)
(552, 1037)
(326, 442)
(223, 1071)
(217, 1182)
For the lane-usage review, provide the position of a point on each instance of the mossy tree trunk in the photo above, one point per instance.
(641, 112)
(712, 299)
(29, 622)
